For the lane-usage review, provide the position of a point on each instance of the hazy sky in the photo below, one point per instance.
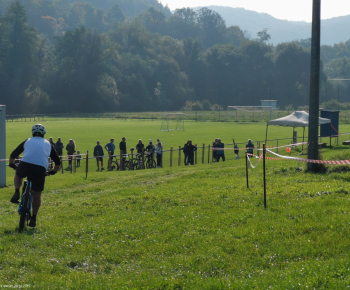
(296, 10)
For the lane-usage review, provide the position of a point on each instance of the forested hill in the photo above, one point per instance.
(333, 30)
(54, 17)
(59, 56)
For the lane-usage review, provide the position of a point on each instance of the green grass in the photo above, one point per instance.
(196, 227)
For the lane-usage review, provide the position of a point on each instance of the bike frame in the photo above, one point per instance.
(25, 206)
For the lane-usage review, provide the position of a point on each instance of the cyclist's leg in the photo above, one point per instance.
(36, 201)
(38, 182)
(21, 172)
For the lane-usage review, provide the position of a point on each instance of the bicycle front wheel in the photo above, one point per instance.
(151, 163)
(23, 211)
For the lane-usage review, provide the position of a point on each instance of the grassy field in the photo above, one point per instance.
(193, 227)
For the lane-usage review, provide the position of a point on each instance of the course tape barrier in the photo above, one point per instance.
(331, 162)
(259, 159)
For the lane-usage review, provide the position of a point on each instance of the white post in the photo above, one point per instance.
(2, 145)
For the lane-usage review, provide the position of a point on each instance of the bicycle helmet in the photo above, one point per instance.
(132, 149)
(38, 130)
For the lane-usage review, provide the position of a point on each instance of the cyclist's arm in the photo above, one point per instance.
(56, 159)
(19, 150)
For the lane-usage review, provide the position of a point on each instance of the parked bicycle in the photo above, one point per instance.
(150, 163)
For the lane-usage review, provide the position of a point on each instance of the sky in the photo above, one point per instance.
(294, 10)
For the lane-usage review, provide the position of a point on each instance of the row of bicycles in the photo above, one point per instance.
(134, 162)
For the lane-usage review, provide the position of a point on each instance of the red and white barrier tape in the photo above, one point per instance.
(331, 162)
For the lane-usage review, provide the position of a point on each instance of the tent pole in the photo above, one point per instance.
(267, 126)
(302, 148)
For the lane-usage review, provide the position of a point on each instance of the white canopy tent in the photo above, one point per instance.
(296, 119)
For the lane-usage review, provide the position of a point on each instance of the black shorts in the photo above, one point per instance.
(34, 173)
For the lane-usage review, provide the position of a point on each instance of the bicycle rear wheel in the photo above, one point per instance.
(24, 207)
(151, 163)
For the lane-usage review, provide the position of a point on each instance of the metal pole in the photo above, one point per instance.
(2, 146)
(264, 166)
(246, 169)
(87, 163)
(314, 85)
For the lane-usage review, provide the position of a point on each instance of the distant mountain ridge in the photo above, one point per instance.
(333, 30)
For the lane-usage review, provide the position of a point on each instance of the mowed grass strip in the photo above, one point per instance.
(184, 228)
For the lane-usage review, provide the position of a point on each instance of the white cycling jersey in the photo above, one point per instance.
(37, 151)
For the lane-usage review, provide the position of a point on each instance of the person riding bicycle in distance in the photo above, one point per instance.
(35, 161)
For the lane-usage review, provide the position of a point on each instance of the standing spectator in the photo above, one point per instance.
(140, 147)
(70, 151)
(59, 147)
(78, 157)
(161, 145)
(220, 153)
(190, 151)
(236, 150)
(249, 147)
(159, 153)
(150, 149)
(122, 148)
(98, 153)
(53, 146)
(51, 142)
(184, 150)
(110, 147)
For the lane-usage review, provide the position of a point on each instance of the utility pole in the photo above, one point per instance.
(314, 102)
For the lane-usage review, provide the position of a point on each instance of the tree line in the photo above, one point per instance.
(67, 56)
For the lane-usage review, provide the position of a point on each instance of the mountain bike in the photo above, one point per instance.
(150, 163)
(25, 206)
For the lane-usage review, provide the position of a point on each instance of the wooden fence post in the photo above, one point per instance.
(87, 163)
(179, 163)
(203, 154)
(171, 156)
(209, 154)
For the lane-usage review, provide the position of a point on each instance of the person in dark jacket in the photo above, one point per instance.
(190, 152)
(70, 151)
(59, 147)
(220, 153)
(249, 147)
(140, 147)
(184, 150)
(123, 152)
(98, 153)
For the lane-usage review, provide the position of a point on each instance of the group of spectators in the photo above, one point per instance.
(150, 149)
(218, 150)
(70, 148)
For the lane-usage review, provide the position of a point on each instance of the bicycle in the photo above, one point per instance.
(150, 163)
(115, 165)
(25, 206)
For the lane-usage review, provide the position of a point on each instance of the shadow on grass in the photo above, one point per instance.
(26, 231)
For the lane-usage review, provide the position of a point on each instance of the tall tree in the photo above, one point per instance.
(213, 27)
(20, 63)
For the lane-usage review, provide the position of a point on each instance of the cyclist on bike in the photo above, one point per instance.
(35, 161)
